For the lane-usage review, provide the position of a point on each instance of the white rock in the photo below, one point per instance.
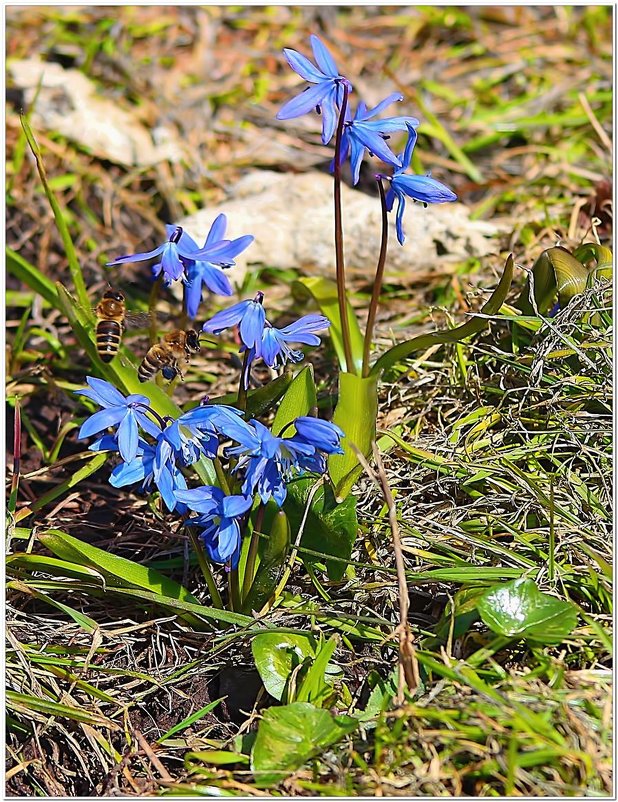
(291, 217)
(68, 103)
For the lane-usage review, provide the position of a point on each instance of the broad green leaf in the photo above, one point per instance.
(298, 400)
(277, 654)
(215, 757)
(555, 272)
(61, 224)
(51, 565)
(602, 255)
(324, 292)
(31, 276)
(259, 400)
(519, 609)
(289, 736)
(423, 341)
(330, 528)
(356, 413)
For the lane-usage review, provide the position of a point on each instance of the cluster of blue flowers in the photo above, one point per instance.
(328, 97)
(155, 450)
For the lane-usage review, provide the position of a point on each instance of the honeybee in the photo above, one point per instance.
(165, 355)
(112, 320)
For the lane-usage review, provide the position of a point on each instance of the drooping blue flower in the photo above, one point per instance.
(360, 133)
(250, 318)
(218, 520)
(269, 461)
(177, 253)
(209, 272)
(275, 350)
(321, 434)
(327, 94)
(421, 188)
(126, 413)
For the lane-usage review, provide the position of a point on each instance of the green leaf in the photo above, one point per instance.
(61, 224)
(187, 722)
(324, 292)
(25, 703)
(289, 736)
(277, 654)
(556, 271)
(356, 413)
(330, 528)
(117, 570)
(473, 326)
(31, 276)
(273, 551)
(298, 400)
(519, 609)
(313, 686)
(82, 620)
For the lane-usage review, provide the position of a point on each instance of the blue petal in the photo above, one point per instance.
(301, 65)
(330, 117)
(205, 499)
(217, 230)
(233, 506)
(170, 261)
(401, 205)
(136, 257)
(305, 102)
(229, 536)
(251, 326)
(375, 144)
(394, 97)
(270, 347)
(409, 149)
(128, 473)
(232, 250)
(425, 189)
(193, 295)
(391, 124)
(356, 159)
(226, 318)
(215, 279)
(390, 198)
(104, 393)
(101, 420)
(147, 424)
(323, 58)
(322, 434)
(106, 443)
(305, 325)
(127, 437)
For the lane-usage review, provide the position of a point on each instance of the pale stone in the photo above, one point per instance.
(68, 103)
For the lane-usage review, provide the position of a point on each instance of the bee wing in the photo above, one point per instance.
(139, 320)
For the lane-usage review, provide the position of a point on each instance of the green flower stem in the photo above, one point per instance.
(234, 590)
(241, 402)
(253, 552)
(221, 477)
(205, 568)
(377, 284)
(340, 266)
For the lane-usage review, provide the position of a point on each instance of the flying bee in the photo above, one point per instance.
(165, 355)
(112, 320)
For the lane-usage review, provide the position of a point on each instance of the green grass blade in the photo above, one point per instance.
(31, 276)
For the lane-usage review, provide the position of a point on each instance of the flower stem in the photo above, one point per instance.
(234, 590)
(377, 284)
(339, 261)
(205, 568)
(253, 551)
(241, 401)
(152, 309)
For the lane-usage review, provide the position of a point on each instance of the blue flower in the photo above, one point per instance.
(274, 348)
(117, 411)
(250, 318)
(268, 461)
(322, 435)
(218, 519)
(360, 134)
(204, 423)
(209, 271)
(327, 94)
(421, 188)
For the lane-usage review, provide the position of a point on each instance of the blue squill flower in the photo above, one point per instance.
(360, 133)
(204, 423)
(126, 413)
(177, 253)
(321, 434)
(268, 461)
(275, 349)
(218, 520)
(209, 271)
(250, 318)
(421, 188)
(327, 94)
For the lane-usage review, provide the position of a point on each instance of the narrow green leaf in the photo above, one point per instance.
(356, 413)
(187, 722)
(473, 326)
(24, 703)
(84, 621)
(324, 292)
(273, 551)
(69, 249)
(31, 276)
(314, 688)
